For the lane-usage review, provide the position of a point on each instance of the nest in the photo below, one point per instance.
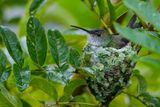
(111, 68)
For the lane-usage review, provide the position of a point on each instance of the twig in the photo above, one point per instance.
(109, 30)
(72, 103)
(102, 21)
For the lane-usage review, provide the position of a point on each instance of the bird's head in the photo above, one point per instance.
(96, 37)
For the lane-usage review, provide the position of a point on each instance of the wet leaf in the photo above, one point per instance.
(36, 41)
(22, 77)
(61, 77)
(5, 74)
(11, 41)
(3, 61)
(58, 47)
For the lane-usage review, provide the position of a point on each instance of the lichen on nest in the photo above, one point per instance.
(111, 70)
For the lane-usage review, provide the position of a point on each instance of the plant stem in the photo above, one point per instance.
(109, 30)
(102, 21)
(72, 103)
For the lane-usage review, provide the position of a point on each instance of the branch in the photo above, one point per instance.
(71, 103)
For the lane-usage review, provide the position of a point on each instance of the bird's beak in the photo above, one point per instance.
(88, 31)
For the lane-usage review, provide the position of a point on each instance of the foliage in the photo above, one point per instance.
(43, 68)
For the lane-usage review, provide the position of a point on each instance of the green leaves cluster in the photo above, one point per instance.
(148, 39)
(102, 8)
(142, 37)
(66, 60)
(107, 11)
(14, 48)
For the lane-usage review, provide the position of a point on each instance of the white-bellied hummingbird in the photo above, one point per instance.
(100, 37)
(108, 59)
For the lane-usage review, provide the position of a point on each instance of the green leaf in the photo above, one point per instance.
(36, 41)
(145, 10)
(87, 71)
(22, 77)
(8, 100)
(36, 4)
(70, 88)
(155, 101)
(53, 74)
(149, 100)
(58, 47)
(142, 84)
(140, 37)
(3, 61)
(61, 77)
(120, 10)
(5, 74)
(152, 62)
(78, 41)
(45, 86)
(91, 2)
(88, 98)
(111, 10)
(74, 58)
(25, 104)
(102, 7)
(12, 45)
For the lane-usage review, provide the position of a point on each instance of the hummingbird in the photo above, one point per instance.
(100, 37)
(108, 58)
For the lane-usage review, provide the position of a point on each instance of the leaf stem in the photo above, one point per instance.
(40, 67)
